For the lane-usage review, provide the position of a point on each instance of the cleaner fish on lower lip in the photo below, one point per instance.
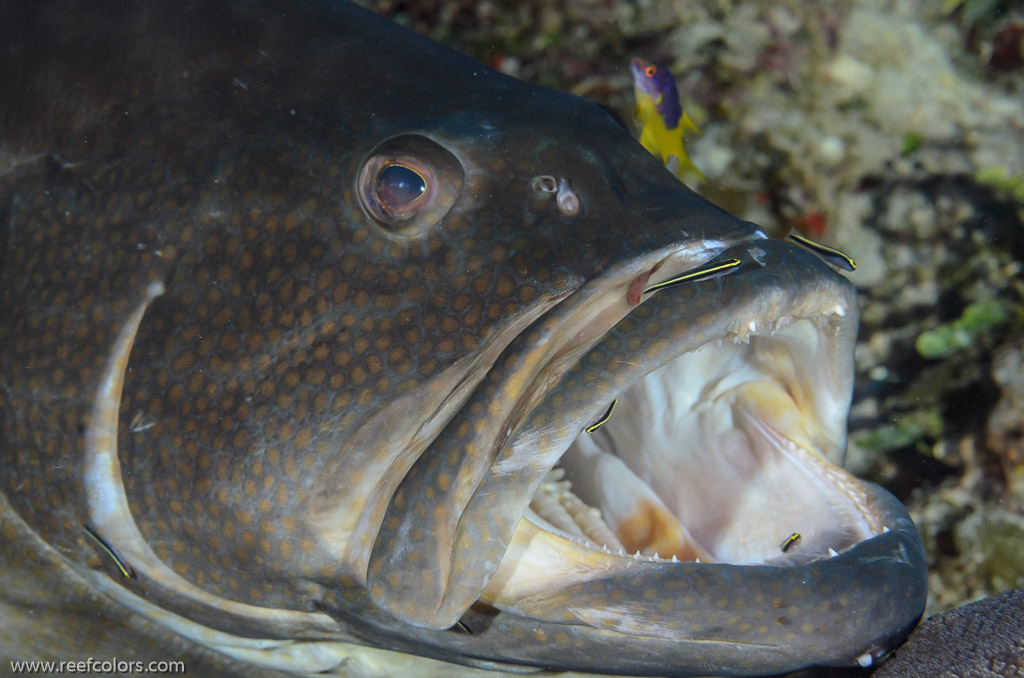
(707, 271)
(314, 360)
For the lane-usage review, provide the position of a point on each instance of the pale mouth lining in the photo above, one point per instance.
(721, 455)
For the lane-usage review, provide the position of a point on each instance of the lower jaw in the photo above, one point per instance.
(545, 563)
(567, 537)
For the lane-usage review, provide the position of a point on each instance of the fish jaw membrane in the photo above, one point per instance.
(712, 498)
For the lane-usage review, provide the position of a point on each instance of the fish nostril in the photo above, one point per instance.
(568, 203)
(545, 183)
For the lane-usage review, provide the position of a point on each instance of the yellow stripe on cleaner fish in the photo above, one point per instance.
(662, 120)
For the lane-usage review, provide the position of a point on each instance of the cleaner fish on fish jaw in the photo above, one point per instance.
(444, 377)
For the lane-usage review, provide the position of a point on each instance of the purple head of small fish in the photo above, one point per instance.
(656, 81)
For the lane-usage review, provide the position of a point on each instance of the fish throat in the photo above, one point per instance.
(711, 458)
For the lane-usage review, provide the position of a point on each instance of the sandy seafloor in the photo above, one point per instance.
(892, 129)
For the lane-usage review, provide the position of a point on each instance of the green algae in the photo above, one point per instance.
(911, 143)
(906, 430)
(951, 338)
(1001, 180)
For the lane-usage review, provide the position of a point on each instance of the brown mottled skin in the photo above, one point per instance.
(181, 180)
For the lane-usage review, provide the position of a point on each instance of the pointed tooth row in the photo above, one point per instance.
(832, 553)
(742, 332)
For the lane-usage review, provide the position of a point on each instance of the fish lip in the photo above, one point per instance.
(842, 308)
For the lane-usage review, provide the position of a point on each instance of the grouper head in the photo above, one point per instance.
(317, 335)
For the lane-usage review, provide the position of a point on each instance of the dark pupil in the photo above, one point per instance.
(399, 186)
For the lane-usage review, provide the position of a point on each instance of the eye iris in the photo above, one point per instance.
(399, 187)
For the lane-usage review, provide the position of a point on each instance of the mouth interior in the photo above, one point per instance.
(722, 455)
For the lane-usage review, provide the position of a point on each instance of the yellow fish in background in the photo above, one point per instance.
(661, 118)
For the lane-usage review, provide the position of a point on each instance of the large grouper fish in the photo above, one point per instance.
(325, 349)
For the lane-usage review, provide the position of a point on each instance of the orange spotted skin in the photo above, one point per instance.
(289, 317)
(198, 164)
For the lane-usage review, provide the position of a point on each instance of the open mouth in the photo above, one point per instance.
(722, 448)
(713, 480)
(715, 457)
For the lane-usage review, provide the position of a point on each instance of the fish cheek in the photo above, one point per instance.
(408, 184)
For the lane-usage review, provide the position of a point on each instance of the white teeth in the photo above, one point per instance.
(832, 553)
(674, 559)
(865, 659)
(637, 554)
(884, 529)
(656, 556)
(555, 502)
(696, 560)
(752, 326)
(839, 311)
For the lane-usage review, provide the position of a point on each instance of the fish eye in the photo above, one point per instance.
(398, 189)
(650, 71)
(408, 184)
